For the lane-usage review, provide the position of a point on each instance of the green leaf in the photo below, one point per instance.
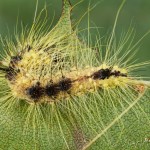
(64, 23)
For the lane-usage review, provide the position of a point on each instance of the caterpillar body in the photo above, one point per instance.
(44, 89)
(58, 85)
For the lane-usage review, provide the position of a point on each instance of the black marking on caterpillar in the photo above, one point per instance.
(118, 73)
(4, 69)
(65, 84)
(14, 60)
(11, 73)
(106, 74)
(28, 48)
(102, 74)
(52, 90)
(35, 92)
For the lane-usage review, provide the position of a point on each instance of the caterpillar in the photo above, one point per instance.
(76, 81)
(57, 88)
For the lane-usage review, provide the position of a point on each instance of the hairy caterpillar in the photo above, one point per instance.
(65, 85)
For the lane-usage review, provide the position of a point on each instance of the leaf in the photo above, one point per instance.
(64, 23)
(132, 134)
(109, 118)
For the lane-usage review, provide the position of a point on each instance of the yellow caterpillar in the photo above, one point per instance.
(53, 83)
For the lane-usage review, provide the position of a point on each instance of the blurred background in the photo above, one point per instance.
(103, 15)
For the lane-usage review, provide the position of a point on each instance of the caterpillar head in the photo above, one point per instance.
(36, 61)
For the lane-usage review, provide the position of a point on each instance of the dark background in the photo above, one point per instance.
(103, 15)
